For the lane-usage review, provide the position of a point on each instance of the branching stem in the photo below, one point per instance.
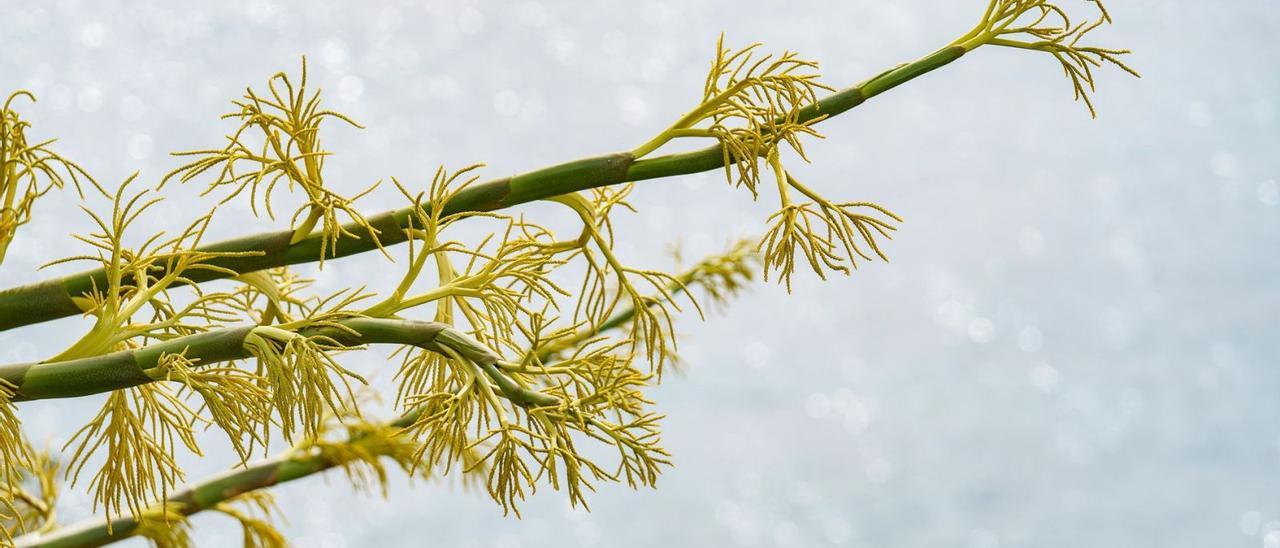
(55, 298)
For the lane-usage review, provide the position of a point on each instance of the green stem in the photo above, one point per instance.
(118, 370)
(204, 495)
(52, 299)
(268, 473)
(193, 499)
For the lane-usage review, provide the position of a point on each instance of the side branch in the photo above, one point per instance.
(53, 299)
(119, 370)
(196, 498)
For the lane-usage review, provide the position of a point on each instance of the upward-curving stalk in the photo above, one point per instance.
(532, 345)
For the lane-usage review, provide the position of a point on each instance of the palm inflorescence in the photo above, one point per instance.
(522, 359)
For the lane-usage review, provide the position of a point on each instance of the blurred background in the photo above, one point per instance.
(1076, 343)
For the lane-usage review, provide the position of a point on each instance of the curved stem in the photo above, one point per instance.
(191, 500)
(52, 299)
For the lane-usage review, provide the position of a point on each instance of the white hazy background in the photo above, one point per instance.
(1075, 345)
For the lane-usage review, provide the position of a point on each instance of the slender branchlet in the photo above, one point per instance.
(255, 511)
(751, 105)
(28, 171)
(279, 139)
(25, 493)
(273, 295)
(1042, 25)
(303, 377)
(138, 431)
(138, 281)
(609, 286)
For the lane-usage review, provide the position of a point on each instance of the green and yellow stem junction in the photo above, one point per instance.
(130, 368)
(516, 423)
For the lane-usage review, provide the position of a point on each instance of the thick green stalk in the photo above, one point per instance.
(202, 496)
(129, 368)
(206, 494)
(195, 498)
(52, 299)
(617, 320)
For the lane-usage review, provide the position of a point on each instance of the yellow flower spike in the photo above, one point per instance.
(751, 104)
(360, 447)
(441, 428)
(14, 452)
(138, 281)
(278, 289)
(640, 459)
(724, 275)
(278, 139)
(16, 459)
(508, 473)
(473, 409)
(425, 372)
(498, 284)
(651, 320)
(720, 277)
(496, 280)
(139, 428)
(236, 400)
